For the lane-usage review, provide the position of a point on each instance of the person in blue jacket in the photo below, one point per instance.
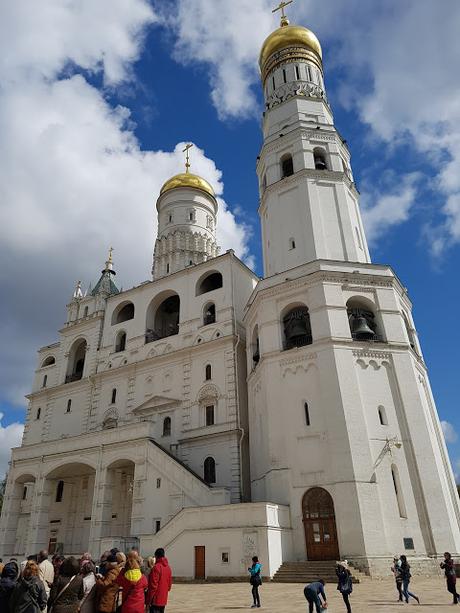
(255, 580)
(312, 593)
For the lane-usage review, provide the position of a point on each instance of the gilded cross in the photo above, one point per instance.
(281, 6)
(188, 146)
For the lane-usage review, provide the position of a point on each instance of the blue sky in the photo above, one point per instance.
(95, 102)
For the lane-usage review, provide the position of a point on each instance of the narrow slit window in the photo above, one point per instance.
(291, 243)
(273, 81)
(382, 416)
(284, 75)
(39, 412)
(307, 413)
(69, 405)
(60, 491)
(24, 492)
(398, 492)
(157, 526)
(208, 375)
(297, 73)
(309, 73)
(114, 395)
(45, 379)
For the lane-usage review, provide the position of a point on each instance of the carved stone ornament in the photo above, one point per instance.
(208, 392)
(297, 88)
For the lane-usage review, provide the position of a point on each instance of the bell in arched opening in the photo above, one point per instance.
(297, 328)
(361, 325)
(320, 162)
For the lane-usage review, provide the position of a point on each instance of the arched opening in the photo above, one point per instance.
(209, 283)
(120, 480)
(363, 325)
(163, 320)
(319, 525)
(208, 372)
(123, 312)
(319, 156)
(17, 519)
(49, 361)
(209, 314)
(120, 343)
(398, 491)
(167, 426)
(296, 327)
(255, 346)
(209, 470)
(410, 332)
(76, 361)
(287, 165)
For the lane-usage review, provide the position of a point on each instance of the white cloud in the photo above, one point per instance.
(449, 432)
(10, 436)
(73, 178)
(382, 209)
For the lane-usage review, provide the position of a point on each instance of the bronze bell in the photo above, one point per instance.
(296, 328)
(361, 329)
(320, 164)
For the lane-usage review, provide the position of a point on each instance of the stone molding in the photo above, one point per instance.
(295, 88)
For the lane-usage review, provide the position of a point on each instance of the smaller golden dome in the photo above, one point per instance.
(290, 36)
(188, 180)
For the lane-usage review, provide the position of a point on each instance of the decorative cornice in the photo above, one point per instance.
(294, 89)
(298, 360)
(372, 353)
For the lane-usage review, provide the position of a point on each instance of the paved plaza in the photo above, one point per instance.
(378, 596)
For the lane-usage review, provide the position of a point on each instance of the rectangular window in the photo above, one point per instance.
(157, 525)
(158, 484)
(225, 557)
(210, 415)
(297, 73)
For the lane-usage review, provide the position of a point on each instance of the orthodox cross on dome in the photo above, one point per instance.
(281, 6)
(109, 262)
(188, 146)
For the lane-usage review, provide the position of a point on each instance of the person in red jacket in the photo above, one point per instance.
(133, 584)
(160, 582)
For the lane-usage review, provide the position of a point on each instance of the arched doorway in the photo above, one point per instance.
(319, 525)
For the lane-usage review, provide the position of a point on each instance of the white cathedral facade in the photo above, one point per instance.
(220, 415)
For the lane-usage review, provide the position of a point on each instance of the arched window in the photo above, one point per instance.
(24, 492)
(60, 491)
(167, 426)
(49, 361)
(45, 379)
(297, 328)
(410, 332)
(255, 346)
(209, 283)
(210, 415)
(163, 320)
(69, 405)
(398, 491)
(120, 344)
(210, 470)
(209, 314)
(287, 166)
(319, 155)
(208, 372)
(76, 362)
(291, 243)
(114, 395)
(382, 416)
(361, 318)
(39, 412)
(123, 312)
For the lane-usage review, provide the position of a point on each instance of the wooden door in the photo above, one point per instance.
(319, 524)
(200, 562)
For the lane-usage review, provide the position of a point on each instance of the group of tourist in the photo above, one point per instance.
(119, 583)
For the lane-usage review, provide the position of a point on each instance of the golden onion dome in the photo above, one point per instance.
(187, 180)
(292, 37)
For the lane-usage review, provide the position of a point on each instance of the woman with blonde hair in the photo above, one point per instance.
(29, 595)
(133, 583)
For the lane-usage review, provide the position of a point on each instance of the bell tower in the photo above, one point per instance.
(308, 201)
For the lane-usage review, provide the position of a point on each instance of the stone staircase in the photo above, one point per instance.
(308, 571)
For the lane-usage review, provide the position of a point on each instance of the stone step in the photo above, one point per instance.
(307, 572)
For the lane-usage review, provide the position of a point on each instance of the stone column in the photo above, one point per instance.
(101, 513)
(10, 516)
(39, 516)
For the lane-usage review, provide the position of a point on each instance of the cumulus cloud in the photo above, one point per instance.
(73, 176)
(10, 436)
(449, 432)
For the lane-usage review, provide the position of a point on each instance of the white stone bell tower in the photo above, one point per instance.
(187, 216)
(342, 423)
(308, 200)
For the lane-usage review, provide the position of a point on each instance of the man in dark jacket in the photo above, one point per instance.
(7, 583)
(160, 582)
(312, 593)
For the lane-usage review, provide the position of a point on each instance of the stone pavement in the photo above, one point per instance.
(378, 596)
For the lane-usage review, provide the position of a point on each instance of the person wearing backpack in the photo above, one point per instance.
(29, 595)
(133, 584)
(255, 580)
(67, 590)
